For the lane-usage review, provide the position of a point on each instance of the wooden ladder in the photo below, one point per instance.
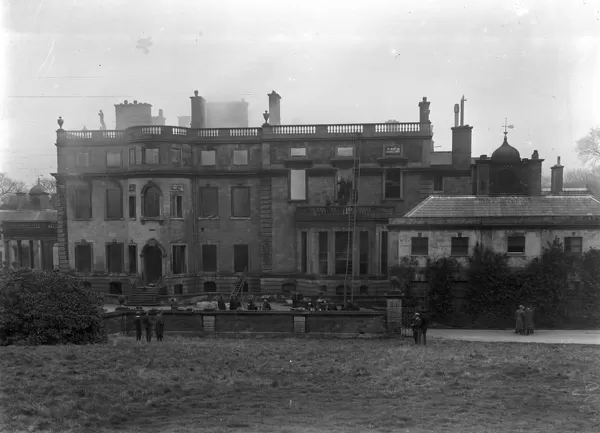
(239, 284)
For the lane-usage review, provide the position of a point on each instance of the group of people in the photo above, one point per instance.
(524, 319)
(419, 327)
(235, 303)
(149, 323)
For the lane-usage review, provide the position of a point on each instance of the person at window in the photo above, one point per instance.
(529, 320)
(520, 319)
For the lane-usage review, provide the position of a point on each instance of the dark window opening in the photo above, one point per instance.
(178, 289)
(151, 156)
(132, 251)
(240, 202)
(516, 244)
(210, 286)
(209, 258)
(393, 183)
(176, 156)
(176, 206)
(114, 204)
(132, 157)
(83, 203)
(419, 246)
(186, 154)
(288, 288)
(114, 258)
(132, 207)
(115, 288)
(304, 251)
(339, 290)
(574, 245)
(364, 290)
(363, 256)
(209, 202)
(323, 253)
(438, 183)
(384, 253)
(343, 253)
(459, 247)
(152, 202)
(87, 285)
(83, 258)
(179, 262)
(240, 258)
(245, 287)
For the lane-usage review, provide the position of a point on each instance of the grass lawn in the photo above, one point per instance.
(290, 385)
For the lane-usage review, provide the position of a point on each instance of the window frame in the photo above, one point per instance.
(205, 151)
(568, 240)
(290, 198)
(303, 155)
(200, 201)
(438, 190)
(454, 248)
(145, 155)
(387, 154)
(508, 244)
(249, 215)
(145, 201)
(119, 215)
(414, 249)
(132, 270)
(385, 184)
(247, 267)
(91, 256)
(245, 151)
(184, 266)
(76, 203)
(366, 250)
(87, 159)
(337, 151)
(216, 248)
(304, 252)
(349, 251)
(117, 152)
(134, 161)
(176, 212)
(323, 255)
(175, 151)
(384, 252)
(108, 259)
(132, 199)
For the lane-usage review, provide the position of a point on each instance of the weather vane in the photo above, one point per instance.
(507, 126)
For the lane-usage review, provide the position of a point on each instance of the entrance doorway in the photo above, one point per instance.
(152, 263)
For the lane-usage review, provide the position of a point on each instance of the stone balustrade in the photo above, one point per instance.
(370, 130)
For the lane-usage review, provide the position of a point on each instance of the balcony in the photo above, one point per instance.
(30, 230)
(368, 130)
(343, 213)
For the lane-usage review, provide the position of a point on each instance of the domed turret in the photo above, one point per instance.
(37, 190)
(506, 154)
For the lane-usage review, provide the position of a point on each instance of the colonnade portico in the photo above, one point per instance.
(32, 253)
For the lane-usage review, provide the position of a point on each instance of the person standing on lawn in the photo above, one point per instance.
(221, 304)
(425, 322)
(148, 328)
(138, 326)
(160, 326)
(416, 327)
(520, 319)
(529, 320)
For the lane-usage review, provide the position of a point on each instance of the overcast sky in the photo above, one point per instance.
(535, 62)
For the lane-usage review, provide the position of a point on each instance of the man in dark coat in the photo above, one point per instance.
(520, 319)
(148, 326)
(529, 320)
(232, 304)
(425, 321)
(138, 326)
(160, 326)
(416, 327)
(266, 306)
(251, 305)
(221, 304)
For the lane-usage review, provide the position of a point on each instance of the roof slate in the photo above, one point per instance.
(486, 206)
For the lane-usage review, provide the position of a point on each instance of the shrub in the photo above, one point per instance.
(40, 307)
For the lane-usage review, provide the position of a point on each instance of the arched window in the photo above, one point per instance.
(151, 201)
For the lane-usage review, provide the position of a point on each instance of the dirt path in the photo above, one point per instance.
(540, 336)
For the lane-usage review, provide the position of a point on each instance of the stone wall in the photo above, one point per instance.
(257, 322)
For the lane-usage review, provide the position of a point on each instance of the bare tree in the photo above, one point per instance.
(579, 175)
(588, 147)
(9, 187)
(49, 184)
(546, 182)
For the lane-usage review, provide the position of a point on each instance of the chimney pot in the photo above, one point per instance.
(195, 93)
(556, 178)
(558, 161)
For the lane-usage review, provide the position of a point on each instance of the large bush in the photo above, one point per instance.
(39, 307)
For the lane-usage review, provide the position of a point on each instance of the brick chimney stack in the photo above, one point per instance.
(556, 178)
(274, 108)
(198, 111)
(424, 111)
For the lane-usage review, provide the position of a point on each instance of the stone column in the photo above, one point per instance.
(36, 253)
(19, 254)
(31, 254)
(7, 253)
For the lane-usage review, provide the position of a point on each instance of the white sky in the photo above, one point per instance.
(535, 62)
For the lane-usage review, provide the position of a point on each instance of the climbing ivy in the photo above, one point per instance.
(441, 274)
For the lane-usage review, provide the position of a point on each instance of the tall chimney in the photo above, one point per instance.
(462, 111)
(456, 110)
(424, 111)
(274, 108)
(556, 178)
(198, 111)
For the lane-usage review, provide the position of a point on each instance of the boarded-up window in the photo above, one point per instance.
(208, 157)
(323, 253)
(383, 262)
(132, 250)
(113, 159)
(438, 183)
(83, 258)
(209, 202)
(176, 206)
(343, 253)
(419, 246)
(345, 151)
(304, 251)
(297, 184)
(114, 258)
(240, 157)
(114, 204)
(393, 183)
(151, 156)
(209, 258)
(83, 203)
(82, 159)
(240, 202)
(186, 154)
(240, 258)
(459, 247)
(179, 259)
(363, 267)
(133, 159)
(574, 245)
(516, 244)
(132, 206)
(152, 202)
(175, 156)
